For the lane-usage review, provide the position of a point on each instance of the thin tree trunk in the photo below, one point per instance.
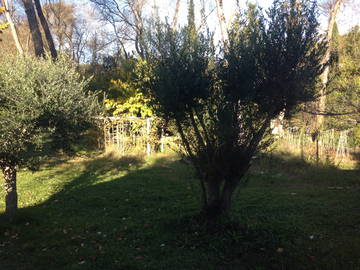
(190, 153)
(45, 26)
(324, 77)
(139, 26)
(11, 198)
(222, 22)
(28, 38)
(12, 27)
(334, 11)
(156, 11)
(177, 8)
(203, 15)
(34, 28)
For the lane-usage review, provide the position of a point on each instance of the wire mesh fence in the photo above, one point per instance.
(330, 145)
(133, 134)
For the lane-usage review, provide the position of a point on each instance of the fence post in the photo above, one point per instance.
(117, 137)
(162, 141)
(148, 128)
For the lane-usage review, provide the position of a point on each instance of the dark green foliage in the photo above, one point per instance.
(43, 105)
(343, 99)
(346, 84)
(179, 69)
(274, 61)
(223, 104)
(111, 68)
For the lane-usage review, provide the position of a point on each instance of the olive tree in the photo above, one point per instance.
(43, 107)
(222, 104)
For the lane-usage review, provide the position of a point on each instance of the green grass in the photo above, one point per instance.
(129, 213)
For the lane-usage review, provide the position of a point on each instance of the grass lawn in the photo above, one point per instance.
(128, 213)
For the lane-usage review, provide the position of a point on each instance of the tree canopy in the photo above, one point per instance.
(43, 107)
(222, 103)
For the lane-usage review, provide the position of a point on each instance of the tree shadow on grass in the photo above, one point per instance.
(119, 214)
(356, 156)
(96, 217)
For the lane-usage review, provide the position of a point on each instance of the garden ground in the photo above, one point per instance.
(108, 212)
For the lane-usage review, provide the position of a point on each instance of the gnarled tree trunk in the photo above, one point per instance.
(11, 198)
(219, 197)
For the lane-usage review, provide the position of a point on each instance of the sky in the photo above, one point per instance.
(349, 15)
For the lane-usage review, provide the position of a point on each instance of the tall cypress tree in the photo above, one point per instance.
(191, 14)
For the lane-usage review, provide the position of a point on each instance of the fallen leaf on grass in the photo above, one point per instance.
(139, 246)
